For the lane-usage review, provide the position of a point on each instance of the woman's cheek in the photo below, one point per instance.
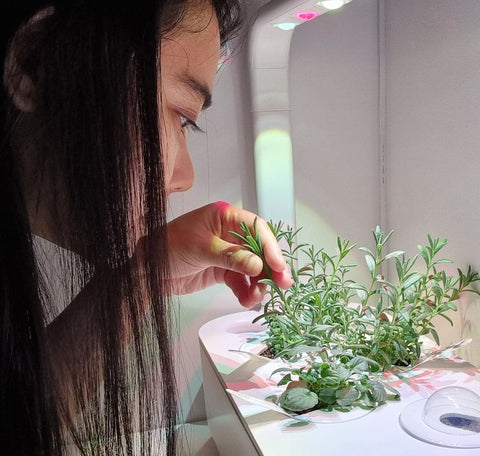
(168, 148)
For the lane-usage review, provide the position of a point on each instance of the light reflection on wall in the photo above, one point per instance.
(274, 175)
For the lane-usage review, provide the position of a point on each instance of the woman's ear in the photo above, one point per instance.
(19, 85)
(16, 79)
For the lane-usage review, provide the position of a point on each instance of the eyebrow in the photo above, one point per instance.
(201, 89)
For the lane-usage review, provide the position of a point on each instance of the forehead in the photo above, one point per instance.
(193, 48)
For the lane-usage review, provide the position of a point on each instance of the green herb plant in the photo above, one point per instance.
(346, 333)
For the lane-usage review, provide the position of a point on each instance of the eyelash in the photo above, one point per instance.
(190, 125)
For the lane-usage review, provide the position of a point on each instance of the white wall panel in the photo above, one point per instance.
(433, 134)
(334, 88)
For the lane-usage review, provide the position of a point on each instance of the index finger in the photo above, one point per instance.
(273, 256)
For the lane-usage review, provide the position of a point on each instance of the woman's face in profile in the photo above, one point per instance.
(189, 59)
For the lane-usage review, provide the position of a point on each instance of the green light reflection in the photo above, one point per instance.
(274, 175)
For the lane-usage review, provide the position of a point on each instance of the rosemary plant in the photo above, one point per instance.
(345, 330)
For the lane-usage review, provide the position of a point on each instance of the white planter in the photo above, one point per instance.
(242, 428)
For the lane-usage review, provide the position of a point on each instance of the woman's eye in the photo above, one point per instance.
(190, 125)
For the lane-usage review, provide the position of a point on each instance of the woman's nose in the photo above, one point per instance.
(183, 175)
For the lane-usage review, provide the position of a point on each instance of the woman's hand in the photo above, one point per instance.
(203, 252)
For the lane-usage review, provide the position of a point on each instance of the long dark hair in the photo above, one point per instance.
(94, 68)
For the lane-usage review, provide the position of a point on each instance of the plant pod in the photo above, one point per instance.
(298, 399)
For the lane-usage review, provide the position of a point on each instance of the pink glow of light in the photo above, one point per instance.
(307, 15)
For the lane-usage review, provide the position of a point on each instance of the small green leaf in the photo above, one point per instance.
(413, 279)
(347, 396)
(387, 237)
(339, 374)
(328, 395)
(300, 349)
(424, 253)
(272, 398)
(395, 254)
(286, 379)
(298, 399)
(451, 305)
(266, 314)
(370, 263)
(394, 396)
(443, 260)
(281, 369)
(437, 291)
(339, 244)
(378, 392)
(362, 294)
(358, 364)
(366, 250)
(399, 268)
(435, 335)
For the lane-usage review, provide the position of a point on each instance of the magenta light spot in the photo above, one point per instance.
(307, 15)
